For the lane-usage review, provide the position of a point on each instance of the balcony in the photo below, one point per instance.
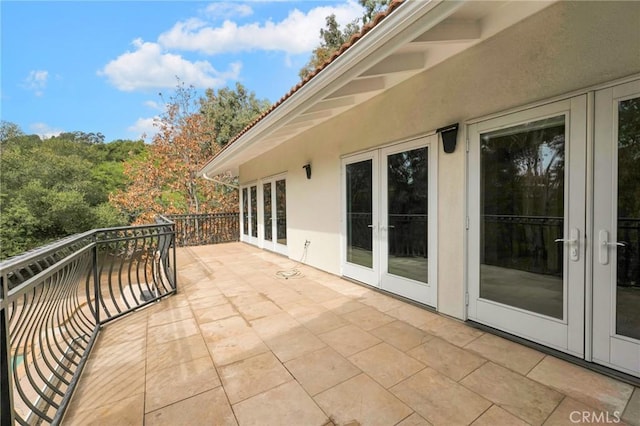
(251, 337)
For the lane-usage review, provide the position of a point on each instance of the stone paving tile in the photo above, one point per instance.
(236, 348)
(571, 411)
(349, 339)
(368, 318)
(127, 412)
(414, 420)
(401, 335)
(522, 397)
(207, 408)
(294, 343)
(451, 330)
(446, 358)
(286, 404)
(495, 416)
(166, 354)
(586, 386)
(631, 414)
(514, 356)
(322, 369)
(251, 376)
(362, 401)
(439, 399)
(386, 364)
(180, 381)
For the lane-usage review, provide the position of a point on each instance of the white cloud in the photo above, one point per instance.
(36, 81)
(44, 130)
(154, 105)
(148, 66)
(225, 10)
(297, 33)
(144, 127)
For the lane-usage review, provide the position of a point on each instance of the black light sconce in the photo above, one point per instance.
(449, 137)
(307, 168)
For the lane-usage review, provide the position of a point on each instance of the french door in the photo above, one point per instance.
(249, 214)
(526, 235)
(616, 238)
(551, 258)
(274, 215)
(389, 225)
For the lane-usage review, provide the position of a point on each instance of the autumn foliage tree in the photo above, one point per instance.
(164, 179)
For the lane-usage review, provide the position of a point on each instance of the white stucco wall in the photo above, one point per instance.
(566, 47)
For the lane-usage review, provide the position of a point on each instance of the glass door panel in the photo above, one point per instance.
(360, 213)
(281, 212)
(245, 211)
(628, 220)
(408, 228)
(616, 257)
(522, 216)
(268, 219)
(253, 200)
(407, 207)
(527, 210)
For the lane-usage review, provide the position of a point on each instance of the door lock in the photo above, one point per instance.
(573, 242)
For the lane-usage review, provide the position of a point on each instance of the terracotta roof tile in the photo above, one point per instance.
(365, 29)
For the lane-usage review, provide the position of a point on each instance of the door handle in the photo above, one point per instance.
(573, 242)
(604, 245)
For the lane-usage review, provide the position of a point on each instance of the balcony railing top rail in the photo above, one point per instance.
(53, 301)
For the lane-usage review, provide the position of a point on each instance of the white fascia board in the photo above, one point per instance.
(403, 25)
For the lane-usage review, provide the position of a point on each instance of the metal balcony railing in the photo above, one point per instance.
(203, 229)
(54, 300)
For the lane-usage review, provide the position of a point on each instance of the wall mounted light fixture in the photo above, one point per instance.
(307, 168)
(449, 136)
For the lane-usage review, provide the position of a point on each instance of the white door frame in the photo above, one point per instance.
(246, 235)
(378, 275)
(566, 334)
(352, 270)
(609, 348)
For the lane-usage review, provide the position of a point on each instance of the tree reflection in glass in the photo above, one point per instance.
(522, 214)
(628, 256)
(359, 187)
(407, 177)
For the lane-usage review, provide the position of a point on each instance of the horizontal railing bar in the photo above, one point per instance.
(27, 258)
(28, 284)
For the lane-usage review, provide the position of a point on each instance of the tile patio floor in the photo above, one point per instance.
(238, 345)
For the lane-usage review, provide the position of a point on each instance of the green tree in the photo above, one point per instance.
(59, 186)
(9, 130)
(228, 111)
(332, 37)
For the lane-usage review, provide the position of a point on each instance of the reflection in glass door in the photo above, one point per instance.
(361, 219)
(527, 222)
(522, 216)
(389, 241)
(616, 271)
(274, 214)
(406, 230)
(249, 213)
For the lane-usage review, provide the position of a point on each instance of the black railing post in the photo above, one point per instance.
(96, 279)
(6, 405)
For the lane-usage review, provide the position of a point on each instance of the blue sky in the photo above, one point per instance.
(98, 66)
